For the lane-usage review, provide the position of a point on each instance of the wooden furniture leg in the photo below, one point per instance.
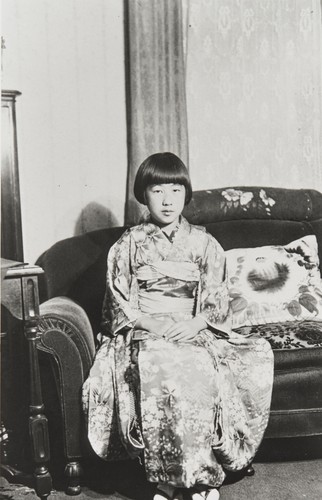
(73, 473)
(38, 424)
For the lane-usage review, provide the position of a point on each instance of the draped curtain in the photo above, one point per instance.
(254, 93)
(156, 102)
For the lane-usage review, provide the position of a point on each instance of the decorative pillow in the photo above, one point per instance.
(272, 284)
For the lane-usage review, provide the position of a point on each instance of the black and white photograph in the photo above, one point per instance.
(161, 250)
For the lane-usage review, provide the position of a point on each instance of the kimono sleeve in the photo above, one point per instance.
(213, 290)
(120, 306)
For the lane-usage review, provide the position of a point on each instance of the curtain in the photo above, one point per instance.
(156, 101)
(254, 93)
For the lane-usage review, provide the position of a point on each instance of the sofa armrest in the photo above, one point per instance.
(68, 373)
(65, 315)
(66, 336)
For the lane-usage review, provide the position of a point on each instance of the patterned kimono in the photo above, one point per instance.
(191, 409)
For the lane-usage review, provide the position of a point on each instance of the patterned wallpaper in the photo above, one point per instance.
(254, 92)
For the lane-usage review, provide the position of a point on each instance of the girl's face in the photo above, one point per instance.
(165, 202)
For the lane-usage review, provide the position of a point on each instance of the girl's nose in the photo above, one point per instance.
(167, 200)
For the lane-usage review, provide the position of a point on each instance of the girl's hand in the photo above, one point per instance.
(153, 325)
(185, 330)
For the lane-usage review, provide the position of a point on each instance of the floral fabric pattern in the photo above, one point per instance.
(289, 335)
(192, 408)
(237, 198)
(273, 284)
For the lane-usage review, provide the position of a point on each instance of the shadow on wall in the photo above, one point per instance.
(94, 216)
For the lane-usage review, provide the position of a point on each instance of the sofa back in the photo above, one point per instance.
(237, 217)
(243, 217)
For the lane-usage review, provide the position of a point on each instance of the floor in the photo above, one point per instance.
(290, 471)
(286, 481)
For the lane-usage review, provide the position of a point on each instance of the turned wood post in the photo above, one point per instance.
(38, 424)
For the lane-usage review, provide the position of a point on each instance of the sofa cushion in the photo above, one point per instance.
(297, 348)
(273, 284)
(288, 336)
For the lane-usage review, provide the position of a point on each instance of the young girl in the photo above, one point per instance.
(171, 383)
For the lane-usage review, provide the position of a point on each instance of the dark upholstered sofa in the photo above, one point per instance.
(239, 217)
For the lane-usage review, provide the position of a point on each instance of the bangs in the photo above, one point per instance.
(172, 175)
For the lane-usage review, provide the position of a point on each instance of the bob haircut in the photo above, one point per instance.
(161, 168)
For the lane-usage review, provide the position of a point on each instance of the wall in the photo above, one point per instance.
(257, 66)
(67, 59)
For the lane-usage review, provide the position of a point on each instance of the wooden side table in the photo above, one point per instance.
(20, 300)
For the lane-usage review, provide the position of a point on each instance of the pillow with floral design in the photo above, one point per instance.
(272, 284)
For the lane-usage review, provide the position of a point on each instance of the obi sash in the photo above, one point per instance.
(157, 302)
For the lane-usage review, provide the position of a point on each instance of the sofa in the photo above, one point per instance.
(258, 227)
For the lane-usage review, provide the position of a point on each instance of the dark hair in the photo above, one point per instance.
(161, 168)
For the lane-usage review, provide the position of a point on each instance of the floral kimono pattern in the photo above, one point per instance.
(192, 409)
